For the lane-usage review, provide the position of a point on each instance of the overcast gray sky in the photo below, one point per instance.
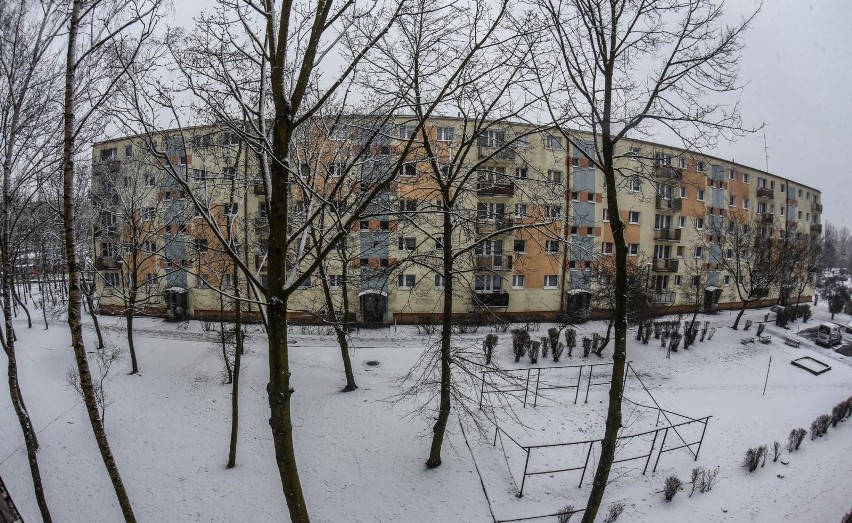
(798, 74)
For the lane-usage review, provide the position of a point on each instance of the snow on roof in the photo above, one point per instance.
(579, 291)
(175, 289)
(712, 288)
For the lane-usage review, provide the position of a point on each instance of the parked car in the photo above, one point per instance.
(829, 334)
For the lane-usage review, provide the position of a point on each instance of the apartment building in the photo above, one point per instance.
(527, 219)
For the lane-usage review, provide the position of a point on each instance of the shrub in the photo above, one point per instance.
(837, 414)
(553, 334)
(557, 351)
(519, 343)
(820, 426)
(545, 346)
(671, 487)
(534, 348)
(795, 439)
(776, 451)
(488, 347)
(763, 452)
(565, 514)
(614, 511)
(847, 518)
(752, 458)
(570, 340)
(708, 479)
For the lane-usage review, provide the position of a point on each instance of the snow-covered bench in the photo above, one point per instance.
(746, 341)
(793, 342)
(766, 339)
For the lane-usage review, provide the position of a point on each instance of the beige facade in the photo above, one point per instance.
(530, 213)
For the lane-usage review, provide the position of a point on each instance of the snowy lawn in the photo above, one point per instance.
(362, 457)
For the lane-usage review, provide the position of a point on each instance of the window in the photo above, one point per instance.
(201, 245)
(782, 187)
(199, 174)
(407, 243)
(732, 174)
(552, 246)
(230, 138)
(409, 169)
(575, 196)
(607, 248)
(150, 179)
(231, 208)
(635, 184)
(150, 246)
(520, 210)
(148, 214)
(699, 195)
(518, 281)
(228, 173)
(444, 171)
(553, 142)
(727, 279)
(487, 282)
(633, 216)
(406, 132)
(575, 161)
(683, 163)
(699, 166)
(263, 209)
(683, 191)
(574, 230)
(633, 249)
(745, 177)
(745, 203)
(109, 249)
(335, 281)
(782, 210)
(151, 279)
(407, 205)
(551, 281)
(111, 279)
(678, 280)
(681, 222)
(663, 160)
(446, 134)
(554, 176)
(605, 214)
(202, 281)
(732, 201)
(521, 173)
(699, 251)
(679, 251)
(699, 223)
(553, 211)
(338, 133)
(306, 283)
(491, 138)
(336, 169)
(634, 151)
(800, 215)
(729, 253)
(520, 246)
(439, 243)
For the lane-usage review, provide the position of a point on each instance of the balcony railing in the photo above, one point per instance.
(492, 262)
(484, 188)
(106, 230)
(491, 299)
(506, 153)
(816, 207)
(816, 228)
(667, 235)
(668, 172)
(668, 204)
(663, 297)
(664, 265)
(765, 193)
(106, 262)
(486, 226)
(765, 217)
(261, 222)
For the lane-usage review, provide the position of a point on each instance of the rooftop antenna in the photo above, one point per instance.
(766, 152)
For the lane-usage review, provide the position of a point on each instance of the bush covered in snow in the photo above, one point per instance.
(670, 488)
(820, 426)
(794, 440)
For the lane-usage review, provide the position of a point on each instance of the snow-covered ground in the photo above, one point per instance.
(361, 455)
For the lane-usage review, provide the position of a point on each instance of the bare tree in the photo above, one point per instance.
(616, 68)
(96, 31)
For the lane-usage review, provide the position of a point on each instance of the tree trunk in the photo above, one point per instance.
(440, 427)
(340, 331)
(43, 303)
(21, 304)
(222, 340)
(134, 367)
(87, 292)
(736, 324)
(74, 306)
(235, 385)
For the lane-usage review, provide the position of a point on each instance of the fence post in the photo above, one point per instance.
(589, 383)
(706, 421)
(524, 477)
(658, 417)
(496, 430)
(537, 380)
(527, 388)
(654, 442)
(662, 449)
(586, 464)
(482, 390)
(579, 380)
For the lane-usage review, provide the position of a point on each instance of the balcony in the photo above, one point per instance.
(493, 299)
(501, 152)
(111, 166)
(492, 262)
(668, 172)
(765, 193)
(664, 265)
(484, 188)
(667, 235)
(765, 217)
(663, 297)
(261, 222)
(668, 204)
(816, 208)
(106, 230)
(259, 261)
(486, 226)
(259, 189)
(816, 228)
(106, 262)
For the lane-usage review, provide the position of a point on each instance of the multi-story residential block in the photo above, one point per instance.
(526, 210)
